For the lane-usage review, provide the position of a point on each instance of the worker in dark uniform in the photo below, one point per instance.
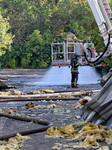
(74, 71)
(70, 38)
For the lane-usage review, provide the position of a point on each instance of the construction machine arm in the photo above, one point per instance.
(102, 14)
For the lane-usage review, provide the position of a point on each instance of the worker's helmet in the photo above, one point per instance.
(75, 56)
(72, 31)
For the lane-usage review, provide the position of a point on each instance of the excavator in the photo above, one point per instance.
(99, 109)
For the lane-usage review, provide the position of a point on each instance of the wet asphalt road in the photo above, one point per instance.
(33, 79)
(63, 114)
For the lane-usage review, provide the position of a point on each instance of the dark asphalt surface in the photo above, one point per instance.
(63, 114)
(31, 80)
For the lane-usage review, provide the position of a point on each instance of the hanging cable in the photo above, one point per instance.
(100, 55)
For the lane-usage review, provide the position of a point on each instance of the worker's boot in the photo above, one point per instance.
(77, 86)
(72, 85)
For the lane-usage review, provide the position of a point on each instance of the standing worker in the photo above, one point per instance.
(74, 71)
(70, 39)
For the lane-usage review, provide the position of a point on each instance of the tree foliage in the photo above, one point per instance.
(36, 24)
(5, 36)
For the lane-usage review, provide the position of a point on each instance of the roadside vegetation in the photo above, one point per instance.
(28, 27)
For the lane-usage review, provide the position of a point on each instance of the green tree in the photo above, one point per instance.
(35, 56)
(36, 24)
(5, 36)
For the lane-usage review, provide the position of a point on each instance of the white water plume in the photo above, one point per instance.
(62, 76)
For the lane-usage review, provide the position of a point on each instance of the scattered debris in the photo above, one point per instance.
(64, 131)
(88, 136)
(13, 143)
(104, 148)
(51, 106)
(77, 116)
(84, 100)
(36, 92)
(13, 108)
(83, 92)
(78, 106)
(50, 101)
(67, 130)
(19, 92)
(109, 140)
(20, 115)
(43, 101)
(48, 91)
(10, 111)
(29, 105)
(5, 93)
(43, 114)
(1, 111)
